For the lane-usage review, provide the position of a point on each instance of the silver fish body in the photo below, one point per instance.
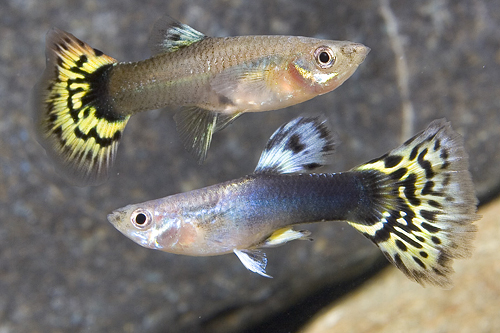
(234, 74)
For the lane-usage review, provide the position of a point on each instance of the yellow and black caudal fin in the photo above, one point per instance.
(421, 204)
(75, 120)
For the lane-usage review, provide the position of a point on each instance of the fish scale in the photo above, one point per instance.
(183, 77)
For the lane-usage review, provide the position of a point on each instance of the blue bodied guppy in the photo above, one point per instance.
(416, 203)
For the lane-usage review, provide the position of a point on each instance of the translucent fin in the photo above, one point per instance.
(253, 260)
(196, 127)
(169, 35)
(74, 120)
(300, 145)
(284, 235)
(223, 120)
(249, 82)
(423, 204)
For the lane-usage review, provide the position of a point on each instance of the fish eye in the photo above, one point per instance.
(141, 218)
(324, 57)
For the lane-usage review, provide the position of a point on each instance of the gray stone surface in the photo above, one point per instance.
(64, 268)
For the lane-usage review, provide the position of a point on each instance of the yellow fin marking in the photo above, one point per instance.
(284, 235)
(425, 204)
(75, 119)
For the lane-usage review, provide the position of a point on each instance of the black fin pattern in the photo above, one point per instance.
(75, 122)
(301, 145)
(422, 204)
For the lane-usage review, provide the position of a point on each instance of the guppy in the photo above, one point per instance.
(85, 98)
(417, 203)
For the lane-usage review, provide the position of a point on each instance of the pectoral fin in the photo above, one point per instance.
(300, 145)
(253, 260)
(248, 85)
(169, 35)
(284, 235)
(196, 127)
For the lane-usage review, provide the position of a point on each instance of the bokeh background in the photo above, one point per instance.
(64, 268)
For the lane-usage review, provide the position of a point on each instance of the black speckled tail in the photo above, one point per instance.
(421, 204)
(75, 122)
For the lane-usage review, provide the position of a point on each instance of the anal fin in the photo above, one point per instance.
(253, 260)
(196, 127)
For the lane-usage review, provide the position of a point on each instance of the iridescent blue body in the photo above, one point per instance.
(283, 200)
(243, 213)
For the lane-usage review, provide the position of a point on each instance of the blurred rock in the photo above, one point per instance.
(64, 268)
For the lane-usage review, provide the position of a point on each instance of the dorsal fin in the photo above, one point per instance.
(300, 145)
(169, 35)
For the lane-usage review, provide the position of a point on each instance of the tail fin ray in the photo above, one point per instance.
(424, 204)
(75, 121)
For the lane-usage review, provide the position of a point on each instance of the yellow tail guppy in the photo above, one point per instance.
(85, 98)
(416, 203)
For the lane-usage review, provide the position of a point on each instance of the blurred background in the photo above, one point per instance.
(63, 267)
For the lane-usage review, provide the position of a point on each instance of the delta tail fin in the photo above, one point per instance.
(74, 119)
(422, 204)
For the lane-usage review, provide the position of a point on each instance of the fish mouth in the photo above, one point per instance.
(356, 51)
(116, 217)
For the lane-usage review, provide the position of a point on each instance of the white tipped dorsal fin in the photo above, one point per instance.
(253, 260)
(300, 145)
(169, 35)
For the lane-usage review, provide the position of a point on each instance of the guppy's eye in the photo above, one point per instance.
(141, 218)
(324, 57)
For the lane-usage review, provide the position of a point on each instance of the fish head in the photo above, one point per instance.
(146, 226)
(320, 66)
